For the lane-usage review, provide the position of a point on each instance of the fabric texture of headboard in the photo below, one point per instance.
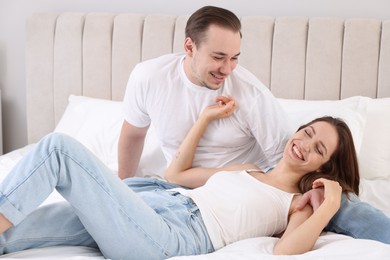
(296, 57)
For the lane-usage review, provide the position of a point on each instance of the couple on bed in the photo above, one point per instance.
(236, 169)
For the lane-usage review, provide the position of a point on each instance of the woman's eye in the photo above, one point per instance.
(319, 151)
(307, 132)
(218, 58)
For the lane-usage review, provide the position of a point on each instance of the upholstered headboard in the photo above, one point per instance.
(296, 57)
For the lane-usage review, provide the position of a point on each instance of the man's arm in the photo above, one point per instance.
(131, 144)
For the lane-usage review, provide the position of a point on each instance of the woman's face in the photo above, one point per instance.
(311, 147)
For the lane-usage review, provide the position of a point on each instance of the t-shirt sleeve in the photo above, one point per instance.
(270, 126)
(134, 102)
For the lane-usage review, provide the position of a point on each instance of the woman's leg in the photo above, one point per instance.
(51, 225)
(120, 222)
(360, 220)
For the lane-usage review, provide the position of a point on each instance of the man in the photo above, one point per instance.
(172, 90)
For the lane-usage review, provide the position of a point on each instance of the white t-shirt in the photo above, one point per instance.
(236, 206)
(159, 91)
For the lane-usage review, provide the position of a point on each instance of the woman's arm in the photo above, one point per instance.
(196, 177)
(180, 170)
(304, 228)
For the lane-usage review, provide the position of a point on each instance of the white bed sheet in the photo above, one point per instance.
(329, 245)
(57, 252)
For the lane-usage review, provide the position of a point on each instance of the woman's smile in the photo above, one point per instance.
(297, 152)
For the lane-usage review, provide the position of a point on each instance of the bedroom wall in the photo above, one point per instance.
(13, 14)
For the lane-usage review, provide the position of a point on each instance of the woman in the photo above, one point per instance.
(319, 152)
(153, 219)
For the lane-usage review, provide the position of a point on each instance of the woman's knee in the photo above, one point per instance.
(59, 140)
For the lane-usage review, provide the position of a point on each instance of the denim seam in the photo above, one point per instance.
(39, 164)
(47, 239)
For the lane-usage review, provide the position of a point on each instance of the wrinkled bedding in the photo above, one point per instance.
(100, 134)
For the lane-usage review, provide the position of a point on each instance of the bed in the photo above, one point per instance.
(77, 66)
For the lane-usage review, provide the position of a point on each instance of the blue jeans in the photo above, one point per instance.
(100, 210)
(360, 220)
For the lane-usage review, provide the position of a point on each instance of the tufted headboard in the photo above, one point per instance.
(296, 57)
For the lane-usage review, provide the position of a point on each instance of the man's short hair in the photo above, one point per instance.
(200, 21)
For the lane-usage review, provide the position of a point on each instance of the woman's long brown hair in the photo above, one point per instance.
(342, 165)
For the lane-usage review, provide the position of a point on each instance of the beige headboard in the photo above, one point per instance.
(296, 57)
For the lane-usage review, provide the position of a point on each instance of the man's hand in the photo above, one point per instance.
(313, 197)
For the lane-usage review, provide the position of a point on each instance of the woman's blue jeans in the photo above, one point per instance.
(101, 210)
(144, 221)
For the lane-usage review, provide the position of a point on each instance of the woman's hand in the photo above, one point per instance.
(305, 226)
(332, 192)
(180, 170)
(224, 107)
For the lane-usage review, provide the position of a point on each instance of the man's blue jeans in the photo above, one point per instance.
(360, 220)
(101, 210)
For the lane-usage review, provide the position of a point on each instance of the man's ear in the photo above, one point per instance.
(189, 46)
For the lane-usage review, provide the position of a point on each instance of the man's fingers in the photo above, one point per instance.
(315, 204)
(303, 201)
(313, 197)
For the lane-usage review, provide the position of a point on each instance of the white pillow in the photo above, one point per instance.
(96, 123)
(352, 110)
(374, 155)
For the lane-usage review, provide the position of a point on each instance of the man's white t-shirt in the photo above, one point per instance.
(159, 91)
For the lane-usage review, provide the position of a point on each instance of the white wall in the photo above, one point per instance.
(13, 15)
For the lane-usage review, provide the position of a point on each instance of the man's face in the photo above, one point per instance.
(209, 63)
